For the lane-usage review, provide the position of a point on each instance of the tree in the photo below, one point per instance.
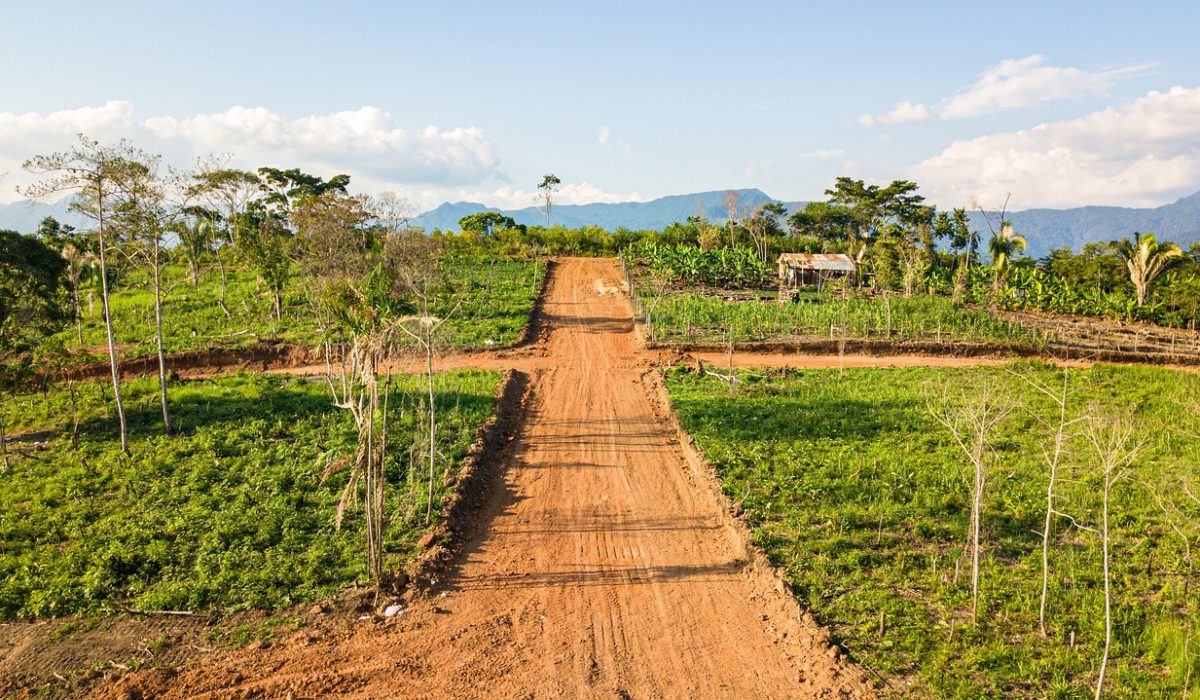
(415, 258)
(548, 187)
(730, 201)
(267, 245)
(487, 223)
(971, 415)
(871, 206)
(764, 227)
(196, 237)
(100, 176)
(227, 194)
(32, 305)
(353, 290)
(827, 222)
(1114, 443)
(145, 216)
(1053, 458)
(1004, 245)
(80, 258)
(1146, 259)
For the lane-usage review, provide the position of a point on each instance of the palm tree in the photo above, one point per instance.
(1146, 259)
(195, 240)
(81, 264)
(1003, 246)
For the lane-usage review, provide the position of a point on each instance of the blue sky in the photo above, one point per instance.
(624, 99)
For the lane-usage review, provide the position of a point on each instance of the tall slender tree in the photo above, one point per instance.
(549, 186)
(100, 176)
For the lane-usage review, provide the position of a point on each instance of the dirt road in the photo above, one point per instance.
(604, 566)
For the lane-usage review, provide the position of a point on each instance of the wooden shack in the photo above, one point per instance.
(814, 269)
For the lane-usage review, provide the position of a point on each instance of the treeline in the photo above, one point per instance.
(900, 243)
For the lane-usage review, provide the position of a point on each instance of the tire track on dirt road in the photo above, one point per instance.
(602, 564)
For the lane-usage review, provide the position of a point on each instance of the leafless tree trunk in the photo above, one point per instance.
(3, 436)
(1112, 438)
(972, 416)
(108, 326)
(156, 262)
(1053, 460)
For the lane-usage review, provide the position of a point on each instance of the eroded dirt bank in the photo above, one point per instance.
(602, 565)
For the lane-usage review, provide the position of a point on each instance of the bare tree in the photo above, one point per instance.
(1053, 460)
(971, 414)
(99, 175)
(1115, 445)
(730, 201)
(415, 259)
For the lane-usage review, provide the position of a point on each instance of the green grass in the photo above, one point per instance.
(863, 499)
(493, 299)
(228, 514)
(698, 318)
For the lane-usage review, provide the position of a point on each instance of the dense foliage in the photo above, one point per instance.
(863, 498)
(232, 512)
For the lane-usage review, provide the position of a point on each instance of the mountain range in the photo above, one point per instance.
(1045, 229)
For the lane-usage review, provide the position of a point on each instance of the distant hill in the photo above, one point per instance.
(654, 214)
(1054, 228)
(1044, 228)
(25, 215)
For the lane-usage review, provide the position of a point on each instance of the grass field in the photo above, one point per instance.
(492, 300)
(862, 497)
(682, 316)
(230, 513)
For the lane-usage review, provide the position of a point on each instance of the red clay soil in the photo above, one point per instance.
(603, 563)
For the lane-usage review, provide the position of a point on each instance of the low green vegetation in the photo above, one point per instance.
(234, 511)
(862, 496)
(491, 298)
(700, 318)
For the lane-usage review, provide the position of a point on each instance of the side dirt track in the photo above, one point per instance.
(603, 560)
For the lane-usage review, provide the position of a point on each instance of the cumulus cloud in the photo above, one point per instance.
(1024, 82)
(366, 140)
(1011, 84)
(366, 144)
(905, 112)
(515, 198)
(24, 135)
(1142, 153)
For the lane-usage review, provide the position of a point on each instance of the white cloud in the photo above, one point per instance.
(905, 112)
(513, 198)
(613, 144)
(1011, 84)
(25, 135)
(1024, 82)
(366, 141)
(1141, 153)
(366, 144)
